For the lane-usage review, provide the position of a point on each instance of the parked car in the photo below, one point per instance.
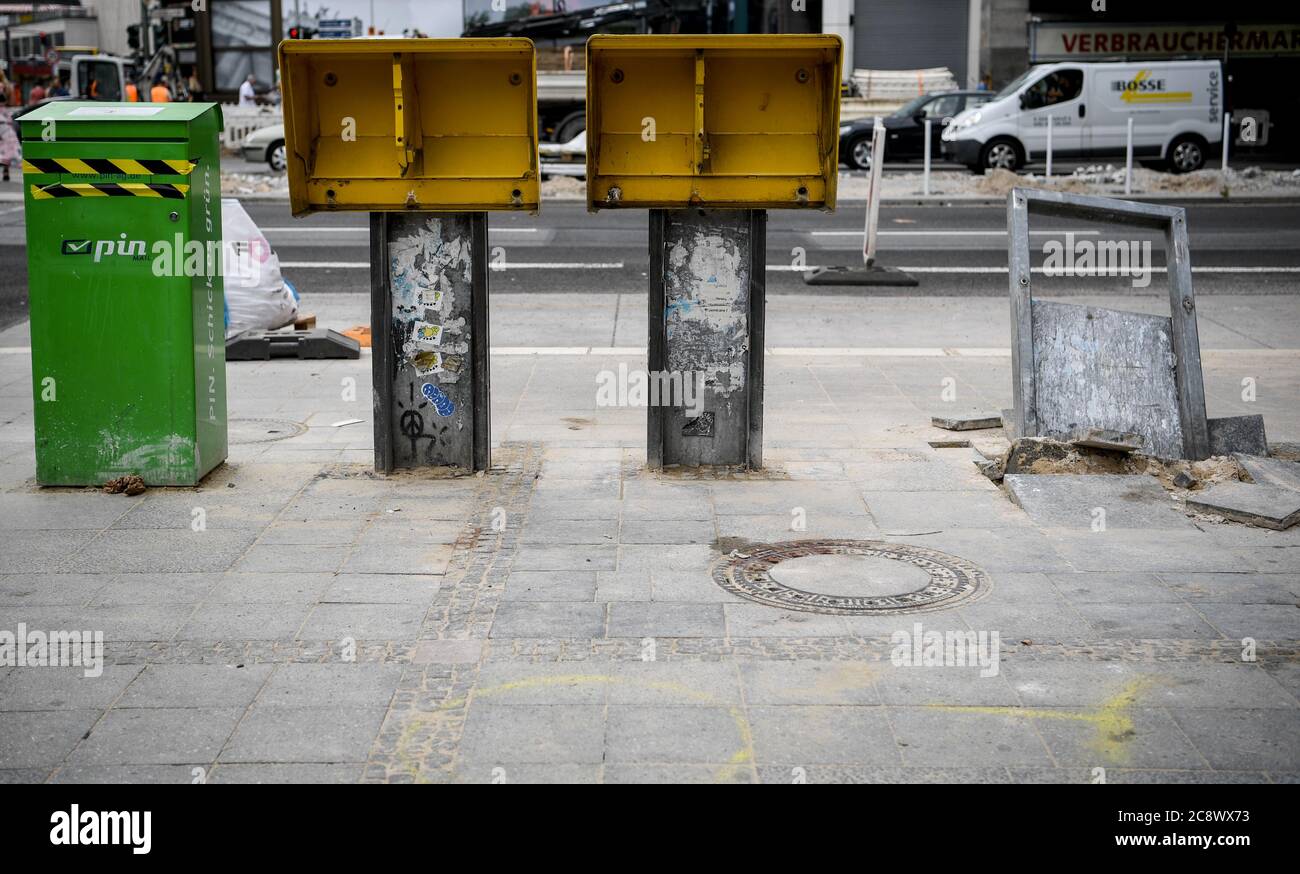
(1176, 108)
(905, 127)
(266, 144)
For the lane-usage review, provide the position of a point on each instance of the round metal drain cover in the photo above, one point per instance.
(850, 577)
(242, 431)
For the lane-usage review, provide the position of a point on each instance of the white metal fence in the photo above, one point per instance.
(902, 85)
(242, 121)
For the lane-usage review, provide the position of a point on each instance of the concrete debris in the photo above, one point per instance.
(1284, 451)
(974, 422)
(1270, 471)
(1054, 482)
(991, 469)
(1104, 438)
(1035, 455)
(1262, 506)
(1233, 434)
(237, 184)
(130, 486)
(949, 444)
(1108, 179)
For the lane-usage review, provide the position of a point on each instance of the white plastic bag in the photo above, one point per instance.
(257, 297)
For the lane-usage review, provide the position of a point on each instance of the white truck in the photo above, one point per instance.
(92, 76)
(1176, 107)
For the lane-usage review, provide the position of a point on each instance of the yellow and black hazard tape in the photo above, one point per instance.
(110, 166)
(110, 189)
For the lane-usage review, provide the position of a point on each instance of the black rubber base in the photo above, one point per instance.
(264, 345)
(874, 275)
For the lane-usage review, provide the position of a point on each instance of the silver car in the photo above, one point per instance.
(266, 144)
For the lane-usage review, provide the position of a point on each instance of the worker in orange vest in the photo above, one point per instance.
(160, 93)
(132, 93)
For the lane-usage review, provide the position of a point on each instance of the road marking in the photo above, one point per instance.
(366, 230)
(802, 351)
(949, 233)
(862, 352)
(540, 350)
(496, 267)
(556, 265)
(327, 265)
(787, 268)
(1153, 270)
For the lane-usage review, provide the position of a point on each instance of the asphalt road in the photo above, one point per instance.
(954, 250)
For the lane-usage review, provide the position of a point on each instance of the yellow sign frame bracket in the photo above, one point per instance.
(701, 135)
(406, 119)
(713, 121)
(386, 125)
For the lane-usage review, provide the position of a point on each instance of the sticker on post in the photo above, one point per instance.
(428, 333)
(438, 398)
(427, 361)
(699, 426)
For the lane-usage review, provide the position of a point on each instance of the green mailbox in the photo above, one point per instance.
(125, 286)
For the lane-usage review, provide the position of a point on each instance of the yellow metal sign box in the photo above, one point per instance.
(396, 124)
(745, 122)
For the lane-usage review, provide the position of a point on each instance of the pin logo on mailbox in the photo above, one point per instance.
(740, 121)
(399, 124)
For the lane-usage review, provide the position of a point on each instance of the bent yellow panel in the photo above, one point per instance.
(434, 124)
(741, 121)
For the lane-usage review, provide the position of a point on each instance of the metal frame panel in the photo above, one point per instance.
(437, 125)
(1021, 204)
(385, 368)
(657, 341)
(659, 450)
(740, 121)
(381, 343)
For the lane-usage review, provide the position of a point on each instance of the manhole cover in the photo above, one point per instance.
(242, 431)
(850, 577)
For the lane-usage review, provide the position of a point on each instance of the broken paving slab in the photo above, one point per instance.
(1263, 506)
(1105, 438)
(1071, 501)
(1270, 471)
(971, 422)
(1232, 434)
(1010, 426)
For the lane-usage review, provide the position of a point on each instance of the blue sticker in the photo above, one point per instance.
(438, 398)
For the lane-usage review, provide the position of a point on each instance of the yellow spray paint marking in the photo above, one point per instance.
(842, 677)
(740, 760)
(1111, 718)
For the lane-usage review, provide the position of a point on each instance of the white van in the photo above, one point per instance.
(1176, 109)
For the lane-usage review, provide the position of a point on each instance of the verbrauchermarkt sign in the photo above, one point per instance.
(1080, 41)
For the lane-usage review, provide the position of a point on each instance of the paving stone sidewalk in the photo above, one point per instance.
(560, 618)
